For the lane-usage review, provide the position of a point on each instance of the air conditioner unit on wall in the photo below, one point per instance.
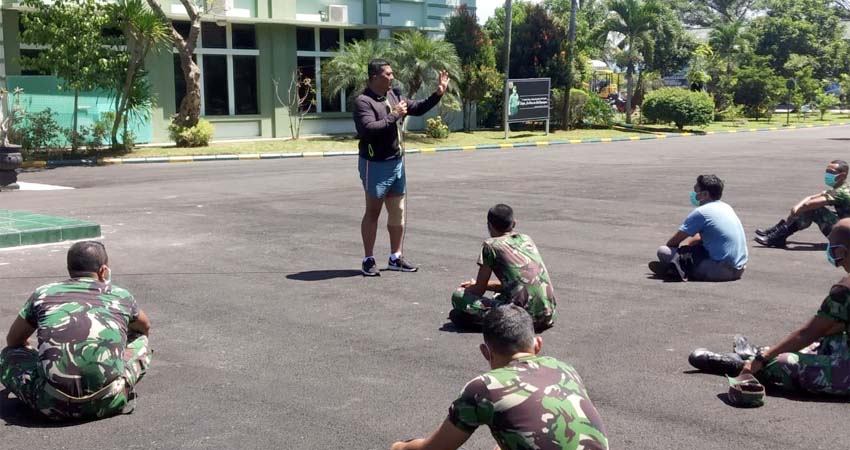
(338, 13)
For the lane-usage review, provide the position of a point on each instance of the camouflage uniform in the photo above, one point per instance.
(839, 199)
(533, 403)
(85, 365)
(525, 282)
(823, 367)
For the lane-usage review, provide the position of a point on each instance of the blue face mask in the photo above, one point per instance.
(833, 260)
(829, 179)
(694, 200)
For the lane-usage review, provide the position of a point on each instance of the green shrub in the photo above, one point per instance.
(38, 132)
(98, 134)
(729, 114)
(680, 106)
(598, 113)
(578, 102)
(197, 136)
(435, 128)
(825, 102)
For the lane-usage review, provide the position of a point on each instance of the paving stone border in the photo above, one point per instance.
(19, 228)
(649, 135)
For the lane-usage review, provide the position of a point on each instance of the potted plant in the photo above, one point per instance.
(10, 154)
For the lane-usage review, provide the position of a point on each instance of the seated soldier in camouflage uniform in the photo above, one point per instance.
(529, 402)
(816, 357)
(522, 276)
(92, 343)
(814, 208)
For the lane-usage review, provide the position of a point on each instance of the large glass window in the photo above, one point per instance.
(328, 39)
(305, 39)
(316, 47)
(215, 85)
(244, 36)
(307, 69)
(213, 35)
(245, 84)
(227, 58)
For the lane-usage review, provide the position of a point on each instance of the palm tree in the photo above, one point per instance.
(633, 22)
(144, 31)
(729, 40)
(347, 70)
(419, 59)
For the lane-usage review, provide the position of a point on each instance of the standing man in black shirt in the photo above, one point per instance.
(379, 113)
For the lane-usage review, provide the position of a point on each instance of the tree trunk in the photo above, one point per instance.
(190, 107)
(74, 132)
(507, 62)
(571, 46)
(121, 110)
(629, 74)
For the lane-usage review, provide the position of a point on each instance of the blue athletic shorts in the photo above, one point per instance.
(382, 177)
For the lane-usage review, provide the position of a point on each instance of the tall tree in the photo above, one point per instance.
(632, 23)
(84, 62)
(143, 31)
(709, 13)
(190, 107)
(477, 58)
(571, 49)
(803, 27)
(419, 59)
(537, 45)
(347, 70)
(729, 41)
(495, 27)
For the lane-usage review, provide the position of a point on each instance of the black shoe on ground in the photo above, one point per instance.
(768, 242)
(663, 270)
(767, 231)
(777, 236)
(719, 364)
(369, 268)
(400, 265)
(463, 321)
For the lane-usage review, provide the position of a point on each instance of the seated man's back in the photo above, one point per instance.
(533, 402)
(85, 366)
(516, 262)
(82, 333)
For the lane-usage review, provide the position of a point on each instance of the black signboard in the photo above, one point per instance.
(528, 99)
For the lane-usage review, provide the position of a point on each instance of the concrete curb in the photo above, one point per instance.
(260, 156)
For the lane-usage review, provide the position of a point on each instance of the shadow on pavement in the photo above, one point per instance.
(449, 327)
(322, 275)
(806, 246)
(15, 413)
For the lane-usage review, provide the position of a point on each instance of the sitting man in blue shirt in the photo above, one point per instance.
(717, 248)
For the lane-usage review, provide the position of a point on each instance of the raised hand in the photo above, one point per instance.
(442, 82)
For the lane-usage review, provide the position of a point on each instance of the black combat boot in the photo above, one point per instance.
(777, 237)
(719, 364)
(766, 231)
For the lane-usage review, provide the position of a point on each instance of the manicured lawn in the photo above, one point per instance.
(459, 139)
(413, 140)
(778, 121)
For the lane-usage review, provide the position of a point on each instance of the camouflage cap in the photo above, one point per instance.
(745, 391)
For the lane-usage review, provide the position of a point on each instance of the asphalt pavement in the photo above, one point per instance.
(267, 337)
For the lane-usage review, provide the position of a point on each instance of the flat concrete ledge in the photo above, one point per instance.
(19, 228)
